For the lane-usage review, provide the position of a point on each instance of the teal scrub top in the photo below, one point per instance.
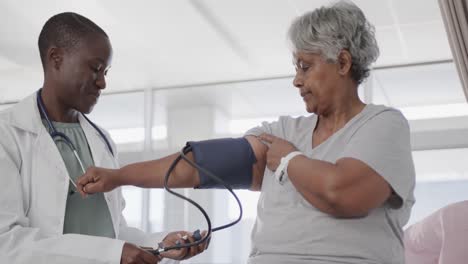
(90, 215)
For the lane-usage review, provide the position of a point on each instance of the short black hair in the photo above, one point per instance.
(65, 30)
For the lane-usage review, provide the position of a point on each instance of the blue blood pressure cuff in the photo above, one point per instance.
(231, 159)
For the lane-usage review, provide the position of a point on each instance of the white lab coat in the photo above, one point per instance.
(33, 194)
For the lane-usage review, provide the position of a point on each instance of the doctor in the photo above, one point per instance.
(46, 143)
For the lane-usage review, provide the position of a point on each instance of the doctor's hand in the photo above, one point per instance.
(180, 238)
(278, 148)
(132, 254)
(98, 180)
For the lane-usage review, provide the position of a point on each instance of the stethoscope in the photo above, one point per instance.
(58, 136)
(61, 137)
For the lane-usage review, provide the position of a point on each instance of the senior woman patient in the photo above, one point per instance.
(337, 185)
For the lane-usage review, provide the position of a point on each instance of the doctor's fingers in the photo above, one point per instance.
(148, 258)
(92, 188)
(96, 180)
(79, 187)
(100, 186)
(132, 254)
(204, 245)
(142, 260)
(195, 250)
(89, 176)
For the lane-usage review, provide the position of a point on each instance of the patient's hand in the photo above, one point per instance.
(98, 180)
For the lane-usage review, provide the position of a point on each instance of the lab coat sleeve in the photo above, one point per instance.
(21, 243)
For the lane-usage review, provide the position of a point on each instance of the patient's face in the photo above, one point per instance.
(316, 79)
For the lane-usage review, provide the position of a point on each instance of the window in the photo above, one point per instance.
(420, 92)
(123, 117)
(441, 179)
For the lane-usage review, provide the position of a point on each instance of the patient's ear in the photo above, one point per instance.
(345, 61)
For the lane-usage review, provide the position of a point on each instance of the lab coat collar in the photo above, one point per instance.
(25, 115)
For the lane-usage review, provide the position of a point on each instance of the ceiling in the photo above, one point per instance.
(166, 44)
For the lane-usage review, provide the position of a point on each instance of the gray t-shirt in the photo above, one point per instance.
(289, 229)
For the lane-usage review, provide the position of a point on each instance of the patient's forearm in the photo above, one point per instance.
(150, 174)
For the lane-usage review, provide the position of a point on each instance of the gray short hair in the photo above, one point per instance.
(329, 30)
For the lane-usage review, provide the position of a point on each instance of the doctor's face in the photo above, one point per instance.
(83, 72)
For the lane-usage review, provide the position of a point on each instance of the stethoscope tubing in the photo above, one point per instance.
(58, 136)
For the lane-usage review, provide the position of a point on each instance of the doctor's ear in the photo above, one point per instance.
(55, 57)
